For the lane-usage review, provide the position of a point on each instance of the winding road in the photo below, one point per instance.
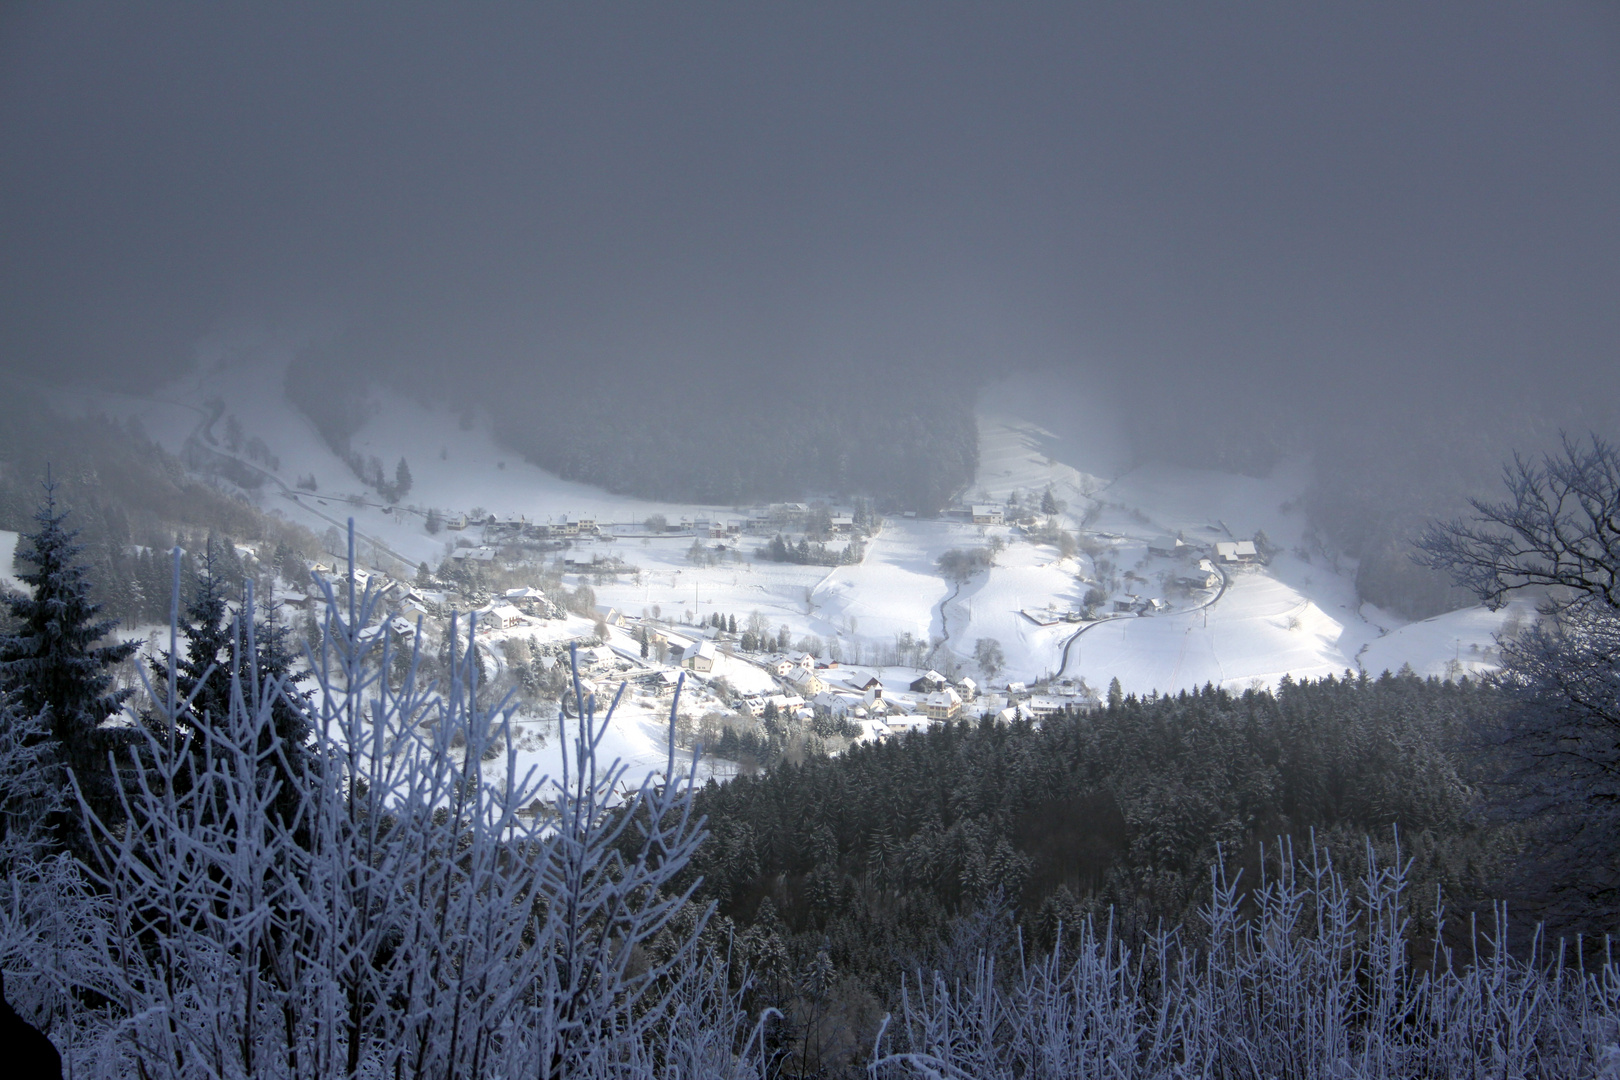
(1072, 638)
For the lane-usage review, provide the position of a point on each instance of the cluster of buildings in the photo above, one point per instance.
(406, 606)
(511, 527)
(808, 689)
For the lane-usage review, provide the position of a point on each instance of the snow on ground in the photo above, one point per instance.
(1456, 643)
(8, 555)
(897, 589)
(1024, 576)
(1298, 616)
(454, 461)
(1260, 631)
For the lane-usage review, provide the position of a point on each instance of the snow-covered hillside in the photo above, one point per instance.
(1297, 615)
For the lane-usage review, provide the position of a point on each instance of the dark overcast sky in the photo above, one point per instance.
(1299, 195)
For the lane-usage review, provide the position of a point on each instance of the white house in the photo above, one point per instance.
(502, 616)
(1236, 551)
(805, 680)
(835, 705)
(700, 657)
(943, 704)
(986, 514)
(1044, 705)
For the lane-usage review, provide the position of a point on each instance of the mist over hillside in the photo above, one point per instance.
(730, 253)
(692, 434)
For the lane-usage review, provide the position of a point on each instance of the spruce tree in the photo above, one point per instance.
(217, 645)
(53, 666)
(202, 669)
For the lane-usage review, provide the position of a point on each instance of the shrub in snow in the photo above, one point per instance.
(416, 914)
(1306, 976)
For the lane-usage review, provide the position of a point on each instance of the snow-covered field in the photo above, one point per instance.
(1296, 616)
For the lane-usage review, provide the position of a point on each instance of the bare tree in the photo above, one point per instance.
(1558, 531)
(1557, 745)
(988, 655)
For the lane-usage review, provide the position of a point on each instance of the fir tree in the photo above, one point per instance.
(202, 670)
(218, 645)
(53, 667)
(402, 480)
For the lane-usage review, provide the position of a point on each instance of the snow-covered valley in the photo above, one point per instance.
(891, 616)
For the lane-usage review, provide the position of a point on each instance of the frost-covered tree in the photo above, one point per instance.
(57, 664)
(987, 653)
(429, 910)
(402, 481)
(1557, 538)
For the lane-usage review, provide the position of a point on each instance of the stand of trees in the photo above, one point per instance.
(812, 554)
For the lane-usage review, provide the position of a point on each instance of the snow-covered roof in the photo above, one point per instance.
(525, 593)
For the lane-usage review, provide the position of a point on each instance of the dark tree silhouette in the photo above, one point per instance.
(55, 666)
(29, 1054)
(1557, 537)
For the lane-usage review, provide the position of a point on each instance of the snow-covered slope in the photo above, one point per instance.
(1298, 615)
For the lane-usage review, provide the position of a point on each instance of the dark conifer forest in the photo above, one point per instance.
(917, 851)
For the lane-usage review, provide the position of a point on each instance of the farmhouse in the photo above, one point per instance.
(1204, 577)
(1236, 551)
(928, 682)
(1165, 546)
(986, 514)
